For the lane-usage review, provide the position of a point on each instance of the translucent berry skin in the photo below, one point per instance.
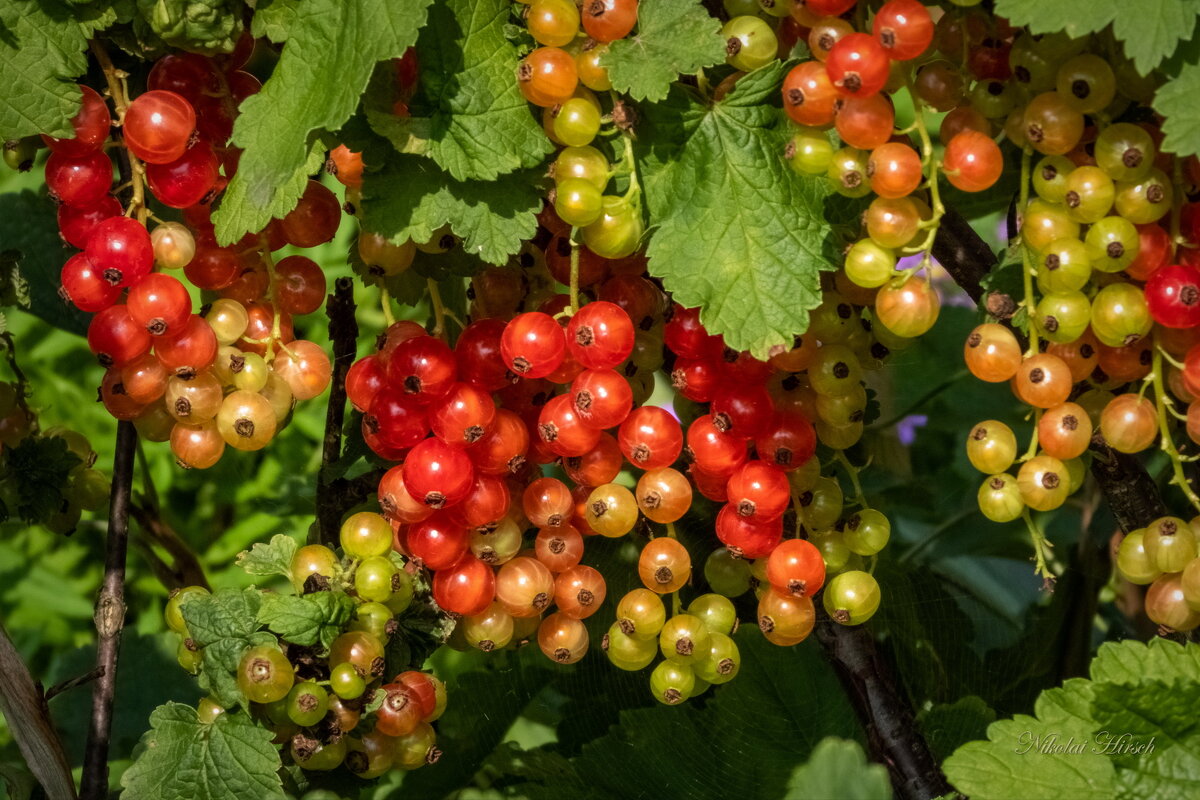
(742, 410)
(158, 125)
(562, 429)
(533, 345)
(502, 449)
(796, 568)
(463, 415)
(423, 367)
(809, 95)
(858, 65)
(186, 180)
(759, 491)
(601, 397)
(438, 541)
(160, 304)
(121, 250)
(190, 349)
(466, 587)
(650, 438)
(1173, 296)
(715, 451)
(904, 28)
(85, 286)
(78, 181)
(396, 418)
(600, 335)
(788, 441)
(438, 474)
(478, 354)
(745, 537)
(972, 161)
(115, 338)
(664, 565)
(686, 336)
(315, 218)
(91, 126)
(76, 223)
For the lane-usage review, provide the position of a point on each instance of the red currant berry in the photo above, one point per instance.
(78, 181)
(423, 366)
(465, 588)
(76, 223)
(315, 218)
(437, 541)
(190, 350)
(91, 126)
(160, 304)
(796, 569)
(758, 491)
(602, 397)
(158, 125)
(788, 441)
(1173, 296)
(121, 250)
(561, 428)
(600, 335)
(686, 337)
(696, 378)
(744, 536)
(858, 65)
(438, 474)
(716, 452)
(478, 353)
(397, 418)
(300, 286)
(533, 345)
(650, 438)
(743, 411)
(904, 28)
(186, 180)
(502, 449)
(85, 286)
(115, 338)
(463, 415)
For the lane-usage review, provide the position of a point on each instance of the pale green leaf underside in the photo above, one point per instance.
(342, 38)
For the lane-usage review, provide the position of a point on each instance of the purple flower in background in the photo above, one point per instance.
(906, 428)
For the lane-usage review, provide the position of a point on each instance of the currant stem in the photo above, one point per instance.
(574, 307)
(264, 251)
(1040, 546)
(10, 354)
(117, 89)
(676, 603)
(1026, 267)
(932, 166)
(799, 521)
(439, 310)
(385, 302)
(1161, 405)
(852, 472)
(1033, 439)
(1177, 198)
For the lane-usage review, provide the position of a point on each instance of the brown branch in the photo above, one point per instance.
(23, 706)
(185, 569)
(71, 683)
(892, 733)
(110, 617)
(343, 332)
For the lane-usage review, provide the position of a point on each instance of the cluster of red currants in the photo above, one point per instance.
(332, 707)
(230, 374)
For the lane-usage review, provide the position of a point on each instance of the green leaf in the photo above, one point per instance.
(673, 37)
(946, 726)
(1150, 30)
(410, 198)
(306, 620)
(43, 47)
(839, 768)
(1175, 100)
(277, 127)
(37, 467)
(28, 227)
(227, 614)
(737, 233)
(202, 26)
(273, 558)
(1153, 735)
(182, 758)
(472, 119)
(1132, 661)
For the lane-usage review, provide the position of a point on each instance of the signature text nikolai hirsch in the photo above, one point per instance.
(1104, 744)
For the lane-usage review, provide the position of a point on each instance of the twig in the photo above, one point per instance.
(71, 683)
(892, 732)
(28, 718)
(110, 617)
(343, 332)
(186, 569)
